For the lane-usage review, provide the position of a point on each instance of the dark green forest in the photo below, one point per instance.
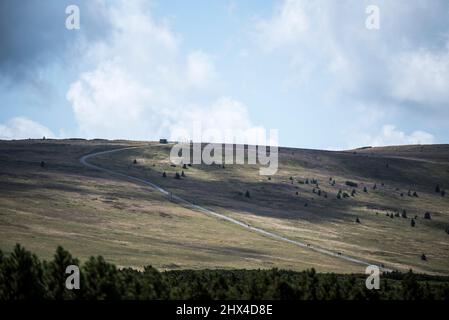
(24, 276)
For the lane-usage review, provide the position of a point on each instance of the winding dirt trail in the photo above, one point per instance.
(199, 208)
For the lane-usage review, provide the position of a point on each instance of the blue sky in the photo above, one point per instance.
(310, 69)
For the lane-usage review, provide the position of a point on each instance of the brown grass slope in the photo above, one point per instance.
(92, 213)
(326, 221)
(95, 213)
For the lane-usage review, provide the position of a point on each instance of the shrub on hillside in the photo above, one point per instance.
(351, 184)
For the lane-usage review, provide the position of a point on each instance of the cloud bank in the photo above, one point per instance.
(23, 128)
(151, 90)
(347, 70)
(308, 68)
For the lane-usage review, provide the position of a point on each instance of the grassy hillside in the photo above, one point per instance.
(319, 217)
(91, 213)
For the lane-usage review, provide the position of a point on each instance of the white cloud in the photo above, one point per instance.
(312, 37)
(214, 124)
(334, 62)
(287, 25)
(422, 77)
(23, 128)
(200, 70)
(142, 86)
(389, 136)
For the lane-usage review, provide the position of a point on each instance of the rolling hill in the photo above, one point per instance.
(358, 203)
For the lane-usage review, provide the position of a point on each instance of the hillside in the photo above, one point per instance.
(91, 212)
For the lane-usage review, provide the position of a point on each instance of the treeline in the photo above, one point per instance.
(24, 276)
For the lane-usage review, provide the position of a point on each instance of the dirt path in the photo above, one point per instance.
(199, 208)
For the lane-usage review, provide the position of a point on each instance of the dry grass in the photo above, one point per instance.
(91, 213)
(328, 222)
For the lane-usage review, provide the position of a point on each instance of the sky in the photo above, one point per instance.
(311, 70)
